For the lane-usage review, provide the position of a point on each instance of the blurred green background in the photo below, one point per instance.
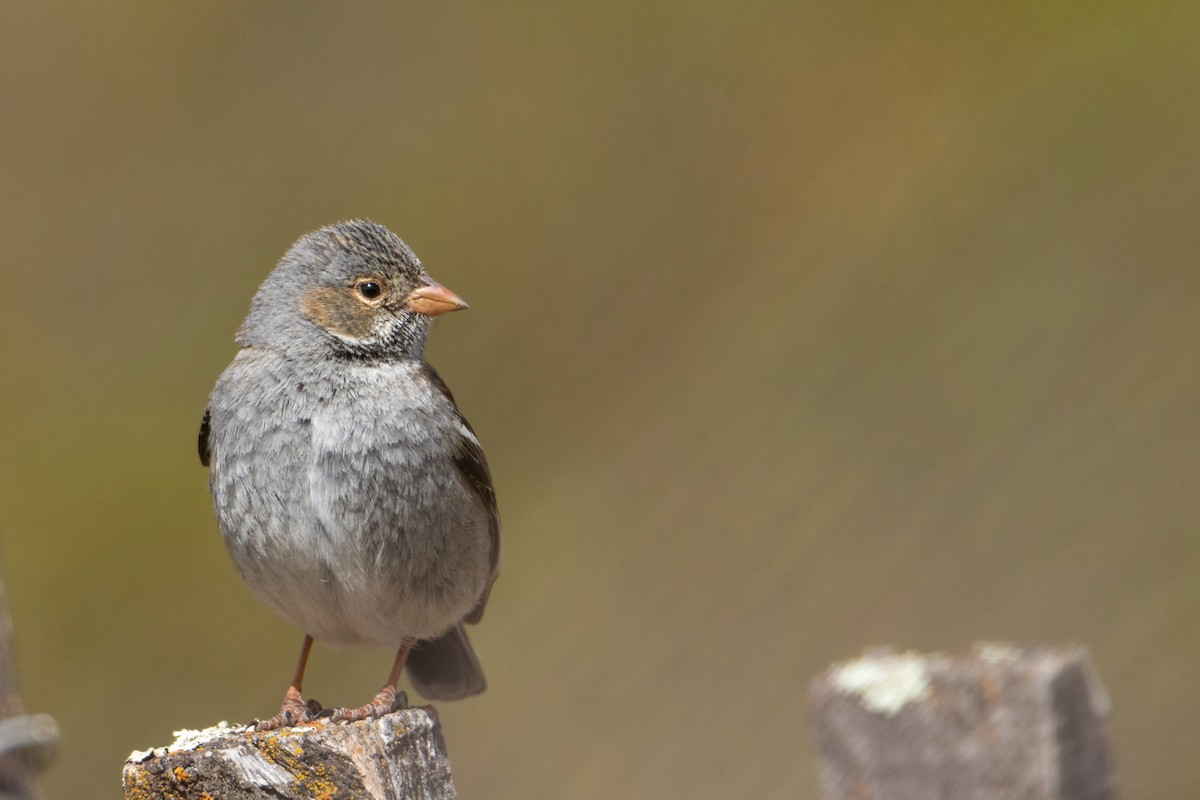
(796, 327)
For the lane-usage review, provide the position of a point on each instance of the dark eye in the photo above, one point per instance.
(369, 289)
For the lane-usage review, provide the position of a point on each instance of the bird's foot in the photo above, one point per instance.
(387, 701)
(295, 711)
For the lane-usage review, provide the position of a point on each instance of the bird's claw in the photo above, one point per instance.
(295, 711)
(387, 701)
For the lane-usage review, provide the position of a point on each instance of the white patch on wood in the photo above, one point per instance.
(886, 684)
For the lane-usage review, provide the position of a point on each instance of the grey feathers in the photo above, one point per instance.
(352, 495)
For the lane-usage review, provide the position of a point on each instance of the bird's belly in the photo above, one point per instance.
(355, 548)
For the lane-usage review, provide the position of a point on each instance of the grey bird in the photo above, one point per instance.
(354, 498)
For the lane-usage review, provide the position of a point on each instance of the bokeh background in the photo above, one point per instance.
(796, 327)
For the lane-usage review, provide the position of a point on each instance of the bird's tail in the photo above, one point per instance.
(446, 668)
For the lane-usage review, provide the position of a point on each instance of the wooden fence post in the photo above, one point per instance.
(27, 741)
(400, 756)
(1002, 723)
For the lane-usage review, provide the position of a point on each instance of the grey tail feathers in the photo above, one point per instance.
(445, 668)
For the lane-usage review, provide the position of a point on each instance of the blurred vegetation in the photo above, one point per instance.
(796, 327)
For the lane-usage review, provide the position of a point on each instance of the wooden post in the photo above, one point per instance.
(1000, 723)
(27, 741)
(396, 757)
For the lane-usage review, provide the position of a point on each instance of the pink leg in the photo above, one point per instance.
(294, 710)
(387, 700)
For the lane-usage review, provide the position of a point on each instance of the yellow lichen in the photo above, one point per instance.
(138, 787)
(318, 783)
(283, 751)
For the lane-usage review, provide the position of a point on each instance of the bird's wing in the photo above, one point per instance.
(473, 466)
(205, 430)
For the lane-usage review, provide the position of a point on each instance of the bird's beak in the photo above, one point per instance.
(433, 299)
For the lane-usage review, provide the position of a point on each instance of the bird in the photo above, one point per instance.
(353, 496)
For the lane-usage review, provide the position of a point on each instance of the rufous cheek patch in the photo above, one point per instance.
(338, 312)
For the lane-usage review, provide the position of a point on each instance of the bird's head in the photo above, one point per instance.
(353, 290)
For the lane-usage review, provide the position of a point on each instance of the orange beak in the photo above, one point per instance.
(434, 299)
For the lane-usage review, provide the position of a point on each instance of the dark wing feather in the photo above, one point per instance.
(205, 430)
(473, 465)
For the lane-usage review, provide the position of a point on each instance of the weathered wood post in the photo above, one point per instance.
(27, 741)
(400, 756)
(1002, 723)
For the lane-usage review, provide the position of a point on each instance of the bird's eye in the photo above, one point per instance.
(369, 289)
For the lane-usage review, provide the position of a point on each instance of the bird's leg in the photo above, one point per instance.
(388, 699)
(294, 709)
